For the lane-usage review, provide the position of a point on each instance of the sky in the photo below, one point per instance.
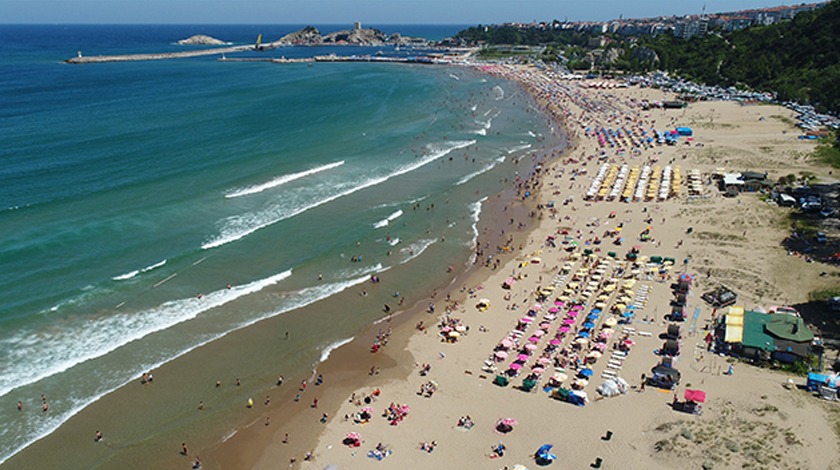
(460, 12)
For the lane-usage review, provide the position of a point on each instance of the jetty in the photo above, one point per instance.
(80, 59)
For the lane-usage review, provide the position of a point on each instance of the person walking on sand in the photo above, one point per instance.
(315, 403)
(184, 450)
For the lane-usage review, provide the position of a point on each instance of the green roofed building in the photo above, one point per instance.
(778, 336)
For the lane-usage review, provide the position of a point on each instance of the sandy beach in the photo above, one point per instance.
(434, 402)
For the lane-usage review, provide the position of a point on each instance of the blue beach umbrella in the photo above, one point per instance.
(595, 311)
(586, 373)
(591, 317)
(589, 325)
(583, 334)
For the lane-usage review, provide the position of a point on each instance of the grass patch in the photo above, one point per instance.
(827, 154)
(823, 295)
(783, 119)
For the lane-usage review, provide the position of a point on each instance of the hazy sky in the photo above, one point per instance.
(346, 11)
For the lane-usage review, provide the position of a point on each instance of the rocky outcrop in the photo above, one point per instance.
(644, 54)
(201, 40)
(357, 37)
(307, 36)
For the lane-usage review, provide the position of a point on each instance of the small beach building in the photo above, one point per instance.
(764, 336)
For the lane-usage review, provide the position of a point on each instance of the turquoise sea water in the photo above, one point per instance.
(148, 208)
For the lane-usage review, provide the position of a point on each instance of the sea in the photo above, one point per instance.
(150, 208)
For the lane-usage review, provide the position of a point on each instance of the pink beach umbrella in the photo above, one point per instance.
(536, 307)
(569, 321)
(559, 303)
(501, 354)
(530, 347)
(555, 342)
(507, 343)
(534, 339)
(545, 325)
(600, 346)
(550, 317)
(523, 357)
(574, 314)
(525, 320)
(564, 329)
(538, 370)
(539, 333)
(515, 366)
(553, 310)
(543, 361)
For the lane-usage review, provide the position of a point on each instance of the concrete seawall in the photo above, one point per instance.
(158, 56)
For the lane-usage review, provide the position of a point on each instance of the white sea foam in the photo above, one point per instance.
(129, 275)
(500, 93)
(281, 180)
(416, 249)
(363, 271)
(454, 76)
(27, 361)
(519, 148)
(332, 347)
(237, 227)
(475, 213)
(394, 241)
(481, 171)
(388, 220)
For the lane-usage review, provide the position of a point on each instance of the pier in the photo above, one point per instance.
(80, 59)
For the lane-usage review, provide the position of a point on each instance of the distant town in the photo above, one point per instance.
(680, 26)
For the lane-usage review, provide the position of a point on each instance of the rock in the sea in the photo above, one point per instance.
(307, 36)
(201, 40)
(368, 37)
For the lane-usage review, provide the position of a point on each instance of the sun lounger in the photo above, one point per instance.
(644, 333)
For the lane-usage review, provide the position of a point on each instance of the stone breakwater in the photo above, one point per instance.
(157, 56)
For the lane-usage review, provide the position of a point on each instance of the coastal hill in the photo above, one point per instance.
(201, 40)
(310, 36)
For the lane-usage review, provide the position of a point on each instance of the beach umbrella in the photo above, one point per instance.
(594, 354)
(454, 334)
(501, 354)
(446, 329)
(569, 321)
(583, 334)
(589, 325)
(544, 453)
(550, 317)
(545, 325)
(526, 320)
(559, 303)
(629, 342)
(553, 310)
(564, 329)
(610, 322)
(573, 313)
(555, 342)
(538, 333)
(538, 370)
(534, 339)
(507, 343)
(619, 306)
(595, 310)
(586, 372)
(543, 361)
(515, 366)
(536, 307)
(600, 346)
(559, 377)
(523, 357)
(531, 347)
(592, 317)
